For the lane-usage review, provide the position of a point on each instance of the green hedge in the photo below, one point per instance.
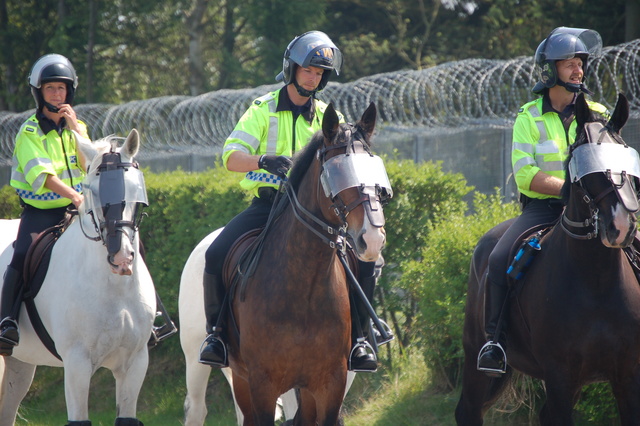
(430, 237)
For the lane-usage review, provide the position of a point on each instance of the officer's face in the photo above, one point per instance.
(570, 70)
(309, 78)
(54, 92)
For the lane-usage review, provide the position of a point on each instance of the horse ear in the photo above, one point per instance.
(132, 144)
(620, 114)
(330, 122)
(583, 113)
(85, 146)
(368, 121)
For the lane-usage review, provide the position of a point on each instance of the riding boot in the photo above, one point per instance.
(362, 357)
(492, 357)
(166, 329)
(213, 351)
(9, 334)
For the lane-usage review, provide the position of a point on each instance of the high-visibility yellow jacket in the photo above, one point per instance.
(38, 155)
(540, 143)
(267, 127)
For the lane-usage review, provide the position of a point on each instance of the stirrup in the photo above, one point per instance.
(225, 361)
(387, 329)
(162, 332)
(362, 343)
(492, 372)
(9, 322)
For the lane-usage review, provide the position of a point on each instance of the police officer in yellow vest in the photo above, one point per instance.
(542, 133)
(47, 171)
(270, 132)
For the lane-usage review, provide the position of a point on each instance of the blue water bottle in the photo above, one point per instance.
(523, 258)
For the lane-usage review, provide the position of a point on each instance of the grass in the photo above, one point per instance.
(398, 395)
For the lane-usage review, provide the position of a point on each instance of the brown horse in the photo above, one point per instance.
(575, 315)
(290, 324)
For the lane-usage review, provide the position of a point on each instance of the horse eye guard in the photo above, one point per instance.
(354, 170)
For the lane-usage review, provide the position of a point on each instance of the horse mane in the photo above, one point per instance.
(303, 159)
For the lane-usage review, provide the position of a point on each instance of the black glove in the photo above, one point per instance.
(277, 165)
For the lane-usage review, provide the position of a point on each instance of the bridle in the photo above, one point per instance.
(596, 156)
(371, 194)
(113, 196)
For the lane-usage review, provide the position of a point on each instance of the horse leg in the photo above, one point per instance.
(229, 376)
(290, 399)
(16, 380)
(562, 394)
(263, 399)
(77, 379)
(306, 414)
(479, 392)
(195, 405)
(627, 393)
(129, 379)
(242, 396)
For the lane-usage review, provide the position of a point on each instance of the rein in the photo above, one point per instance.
(299, 211)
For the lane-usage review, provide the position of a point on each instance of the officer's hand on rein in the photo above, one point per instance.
(277, 165)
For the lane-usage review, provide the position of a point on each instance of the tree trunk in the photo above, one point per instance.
(8, 79)
(196, 65)
(632, 20)
(93, 12)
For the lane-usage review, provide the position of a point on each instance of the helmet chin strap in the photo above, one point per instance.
(304, 92)
(575, 88)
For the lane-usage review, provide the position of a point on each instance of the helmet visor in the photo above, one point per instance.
(566, 43)
(317, 50)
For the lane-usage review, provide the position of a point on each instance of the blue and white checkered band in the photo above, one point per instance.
(73, 159)
(48, 196)
(263, 177)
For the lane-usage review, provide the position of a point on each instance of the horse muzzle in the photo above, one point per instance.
(121, 264)
(368, 244)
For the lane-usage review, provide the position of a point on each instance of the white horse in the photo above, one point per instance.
(97, 301)
(192, 333)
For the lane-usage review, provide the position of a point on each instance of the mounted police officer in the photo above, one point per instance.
(271, 131)
(47, 171)
(542, 133)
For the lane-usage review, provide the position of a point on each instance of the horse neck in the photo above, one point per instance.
(301, 241)
(589, 256)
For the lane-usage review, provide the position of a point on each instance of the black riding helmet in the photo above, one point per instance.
(52, 67)
(313, 48)
(565, 43)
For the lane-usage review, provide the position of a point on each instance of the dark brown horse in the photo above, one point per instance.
(575, 316)
(290, 326)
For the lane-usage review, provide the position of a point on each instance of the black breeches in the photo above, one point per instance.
(255, 216)
(32, 222)
(535, 213)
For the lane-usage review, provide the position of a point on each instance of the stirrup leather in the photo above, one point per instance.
(388, 331)
(486, 348)
(362, 343)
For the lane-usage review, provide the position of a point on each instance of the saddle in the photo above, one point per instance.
(35, 269)
(243, 253)
(632, 252)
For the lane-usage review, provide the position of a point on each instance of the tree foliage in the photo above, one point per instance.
(135, 49)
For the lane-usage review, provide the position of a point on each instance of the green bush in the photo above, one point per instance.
(184, 208)
(439, 281)
(421, 193)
